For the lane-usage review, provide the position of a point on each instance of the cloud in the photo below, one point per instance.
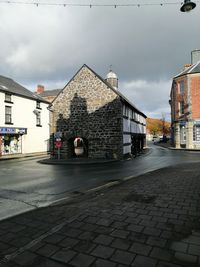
(48, 44)
(149, 96)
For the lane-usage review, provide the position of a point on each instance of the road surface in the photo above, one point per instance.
(27, 184)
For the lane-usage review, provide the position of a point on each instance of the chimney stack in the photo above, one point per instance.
(195, 56)
(186, 66)
(40, 89)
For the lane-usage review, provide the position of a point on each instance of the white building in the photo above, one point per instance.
(24, 120)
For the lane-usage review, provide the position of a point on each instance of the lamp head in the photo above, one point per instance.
(187, 6)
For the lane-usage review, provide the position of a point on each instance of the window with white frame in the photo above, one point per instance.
(38, 105)
(38, 118)
(8, 115)
(181, 87)
(196, 132)
(181, 107)
(182, 134)
(8, 98)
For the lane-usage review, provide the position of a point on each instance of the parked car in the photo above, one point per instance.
(156, 138)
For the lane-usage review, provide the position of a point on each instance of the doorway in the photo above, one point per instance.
(71, 148)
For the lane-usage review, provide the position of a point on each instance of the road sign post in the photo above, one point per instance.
(58, 145)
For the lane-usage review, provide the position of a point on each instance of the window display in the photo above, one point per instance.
(10, 144)
(196, 132)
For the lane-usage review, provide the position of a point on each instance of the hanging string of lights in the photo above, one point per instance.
(91, 5)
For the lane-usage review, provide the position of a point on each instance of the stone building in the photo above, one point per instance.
(185, 108)
(92, 109)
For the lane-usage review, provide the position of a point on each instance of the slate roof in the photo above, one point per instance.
(195, 68)
(10, 86)
(53, 92)
(123, 98)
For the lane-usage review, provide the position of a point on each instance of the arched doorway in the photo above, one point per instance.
(71, 148)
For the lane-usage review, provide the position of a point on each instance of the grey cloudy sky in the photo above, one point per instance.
(146, 45)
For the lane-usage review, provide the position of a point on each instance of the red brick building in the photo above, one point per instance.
(185, 105)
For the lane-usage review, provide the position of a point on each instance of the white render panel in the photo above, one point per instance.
(126, 125)
(127, 149)
(129, 113)
(126, 138)
(133, 127)
(36, 138)
(139, 128)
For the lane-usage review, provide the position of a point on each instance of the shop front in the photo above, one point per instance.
(11, 140)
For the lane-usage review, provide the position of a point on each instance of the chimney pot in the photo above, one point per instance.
(195, 56)
(186, 66)
(40, 89)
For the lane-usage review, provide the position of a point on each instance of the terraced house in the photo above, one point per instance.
(90, 112)
(24, 120)
(185, 107)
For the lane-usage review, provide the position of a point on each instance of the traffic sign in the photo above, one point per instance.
(58, 134)
(58, 144)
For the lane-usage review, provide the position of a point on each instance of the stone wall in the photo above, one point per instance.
(88, 108)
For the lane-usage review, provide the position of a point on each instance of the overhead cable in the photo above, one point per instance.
(35, 3)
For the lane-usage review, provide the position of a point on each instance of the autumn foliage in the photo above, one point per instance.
(158, 126)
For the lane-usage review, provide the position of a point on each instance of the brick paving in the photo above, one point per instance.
(149, 221)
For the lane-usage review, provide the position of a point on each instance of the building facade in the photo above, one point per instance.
(48, 95)
(91, 109)
(24, 120)
(185, 107)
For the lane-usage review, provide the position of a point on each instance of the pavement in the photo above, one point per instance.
(24, 156)
(75, 161)
(149, 221)
(169, 146)
(86, 161)
(44, 158)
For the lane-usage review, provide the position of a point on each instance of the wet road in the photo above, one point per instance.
(26, 185)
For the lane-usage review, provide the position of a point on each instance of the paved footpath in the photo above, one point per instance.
(149, 221)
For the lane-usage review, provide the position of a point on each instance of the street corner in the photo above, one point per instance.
(76, 161)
